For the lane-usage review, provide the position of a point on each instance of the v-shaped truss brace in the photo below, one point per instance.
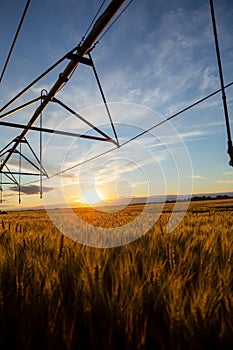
(13, 177)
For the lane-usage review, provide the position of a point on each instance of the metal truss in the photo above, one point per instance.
(8, 176)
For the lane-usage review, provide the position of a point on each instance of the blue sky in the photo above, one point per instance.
(158, 58)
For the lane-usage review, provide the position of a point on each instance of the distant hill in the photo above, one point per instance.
(142, 200)
(172, 198)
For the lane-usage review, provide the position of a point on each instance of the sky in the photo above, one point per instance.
(158, 58)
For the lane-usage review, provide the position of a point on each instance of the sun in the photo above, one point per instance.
(92, 196)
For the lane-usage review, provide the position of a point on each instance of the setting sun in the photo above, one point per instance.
(92, 196)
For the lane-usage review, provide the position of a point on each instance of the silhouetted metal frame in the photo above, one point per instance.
(75, 59)
(230, 148)
(83, 49)
(107, 138)
(52, 131)
(19, 108)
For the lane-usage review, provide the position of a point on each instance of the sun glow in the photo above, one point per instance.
(92, 196)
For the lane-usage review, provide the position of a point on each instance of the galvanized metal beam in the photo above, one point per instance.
(79, 59)
(20, 173)
(52, 131)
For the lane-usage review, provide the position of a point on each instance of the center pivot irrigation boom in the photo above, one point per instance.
(75, 56)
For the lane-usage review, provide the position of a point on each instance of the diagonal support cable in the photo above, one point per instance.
(28, 160)
(16, 97)
(43, 171)
(4, 148)
(19, 108)
(82, 119)
(12, 178)
(14, 40)
(104, 99)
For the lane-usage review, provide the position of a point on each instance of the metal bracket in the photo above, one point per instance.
(230, 152)
(79, 59)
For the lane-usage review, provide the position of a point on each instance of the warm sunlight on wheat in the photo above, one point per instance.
(165, 291)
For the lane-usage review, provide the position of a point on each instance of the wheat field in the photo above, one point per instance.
(162, 291)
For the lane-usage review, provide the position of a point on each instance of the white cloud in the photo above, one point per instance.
(224, 181)
(197, 177)
(228, 173)
(210, 80)
(193, 135)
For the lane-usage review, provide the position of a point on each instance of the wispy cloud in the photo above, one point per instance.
(225, 182)
(197, 177)
(228, 173)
